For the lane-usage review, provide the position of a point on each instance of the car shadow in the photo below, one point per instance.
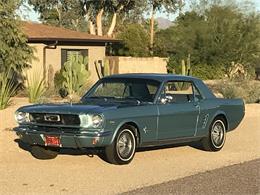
(195, 145)
(99, 152)
(63, 151)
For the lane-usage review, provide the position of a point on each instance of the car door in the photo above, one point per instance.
(178, 110)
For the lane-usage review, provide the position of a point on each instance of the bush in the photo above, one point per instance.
(58, 80)
(202, 71)
(245, 89)
(7, 88)
(35, 87)
(208, 72)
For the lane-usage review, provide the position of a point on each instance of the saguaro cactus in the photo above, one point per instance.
(186, 69)
(103, 69)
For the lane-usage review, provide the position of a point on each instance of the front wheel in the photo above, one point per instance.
(43, 153)
(122, 150)
(217, 136)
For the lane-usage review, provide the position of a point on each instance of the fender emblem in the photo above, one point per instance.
(205, 121)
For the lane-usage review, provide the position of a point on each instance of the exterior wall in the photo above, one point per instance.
(53, 59)
(120, 65)
(37, 62)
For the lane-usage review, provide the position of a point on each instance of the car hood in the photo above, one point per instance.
(67, 108)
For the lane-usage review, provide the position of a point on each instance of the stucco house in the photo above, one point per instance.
(52, 46)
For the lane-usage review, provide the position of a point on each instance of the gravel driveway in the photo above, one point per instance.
(81, 174)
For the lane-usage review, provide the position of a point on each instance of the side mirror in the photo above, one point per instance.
(163, 100)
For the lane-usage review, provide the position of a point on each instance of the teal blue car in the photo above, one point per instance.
(121, 113)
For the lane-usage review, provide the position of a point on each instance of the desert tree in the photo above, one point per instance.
(169, 6)
(96, 11)
(14, 51)
(62, 13)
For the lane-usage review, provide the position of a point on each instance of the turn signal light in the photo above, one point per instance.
(95, 140)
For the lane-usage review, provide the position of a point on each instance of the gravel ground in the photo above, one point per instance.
(235, 179)
(75, 173)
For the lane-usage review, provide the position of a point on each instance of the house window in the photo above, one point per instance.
(65, 53)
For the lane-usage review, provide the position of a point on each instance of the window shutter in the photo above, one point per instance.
(84, 52)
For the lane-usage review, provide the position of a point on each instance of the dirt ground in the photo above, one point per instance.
(81, 174)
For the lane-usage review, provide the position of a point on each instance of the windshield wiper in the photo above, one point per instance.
(100, 98)
(135, 99)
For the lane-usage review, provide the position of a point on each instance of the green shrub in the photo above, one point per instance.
(58, 80)
(7, 88)
(245, 89)
(229, 92)
(35, 87)
(202, 71)
(82, 91)
(208, 72)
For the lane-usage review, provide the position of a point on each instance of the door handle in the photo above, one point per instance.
(196, 105)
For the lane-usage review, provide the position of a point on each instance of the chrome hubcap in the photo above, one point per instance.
(218, 133)
(125, 145)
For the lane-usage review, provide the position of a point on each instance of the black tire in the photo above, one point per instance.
(43, 153)
(215, 140)
(122, 150)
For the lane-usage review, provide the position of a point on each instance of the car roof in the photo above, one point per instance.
(153, 76)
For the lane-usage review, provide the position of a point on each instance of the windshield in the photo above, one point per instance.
(142, 90)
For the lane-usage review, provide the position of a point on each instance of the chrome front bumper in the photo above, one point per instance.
(82, 139)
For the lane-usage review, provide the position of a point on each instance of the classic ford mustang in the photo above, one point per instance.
(121, 113)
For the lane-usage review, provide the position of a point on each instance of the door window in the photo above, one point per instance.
(178, 92)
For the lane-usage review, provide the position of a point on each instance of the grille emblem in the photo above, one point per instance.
(52, 117)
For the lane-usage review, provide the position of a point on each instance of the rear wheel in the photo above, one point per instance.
(217, 135)
(122, 150)
(43, 153)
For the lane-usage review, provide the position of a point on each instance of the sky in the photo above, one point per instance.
(27, 12)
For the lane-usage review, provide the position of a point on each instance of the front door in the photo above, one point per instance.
(178, 111)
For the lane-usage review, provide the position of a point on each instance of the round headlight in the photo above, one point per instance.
(97, 121)
(22, 117)
(91, 121)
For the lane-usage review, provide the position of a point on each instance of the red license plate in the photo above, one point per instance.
(52, 140)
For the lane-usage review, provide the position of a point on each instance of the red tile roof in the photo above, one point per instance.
(41, 32)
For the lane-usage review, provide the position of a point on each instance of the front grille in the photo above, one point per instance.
(55, 119)
(55, 130)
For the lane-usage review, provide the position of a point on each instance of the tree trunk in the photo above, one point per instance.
(99, 22)
(152, 30)
(91, 28)
(113, 22)
(112, 25)
(59, 15)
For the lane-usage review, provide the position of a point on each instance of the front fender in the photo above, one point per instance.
(119, 125)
